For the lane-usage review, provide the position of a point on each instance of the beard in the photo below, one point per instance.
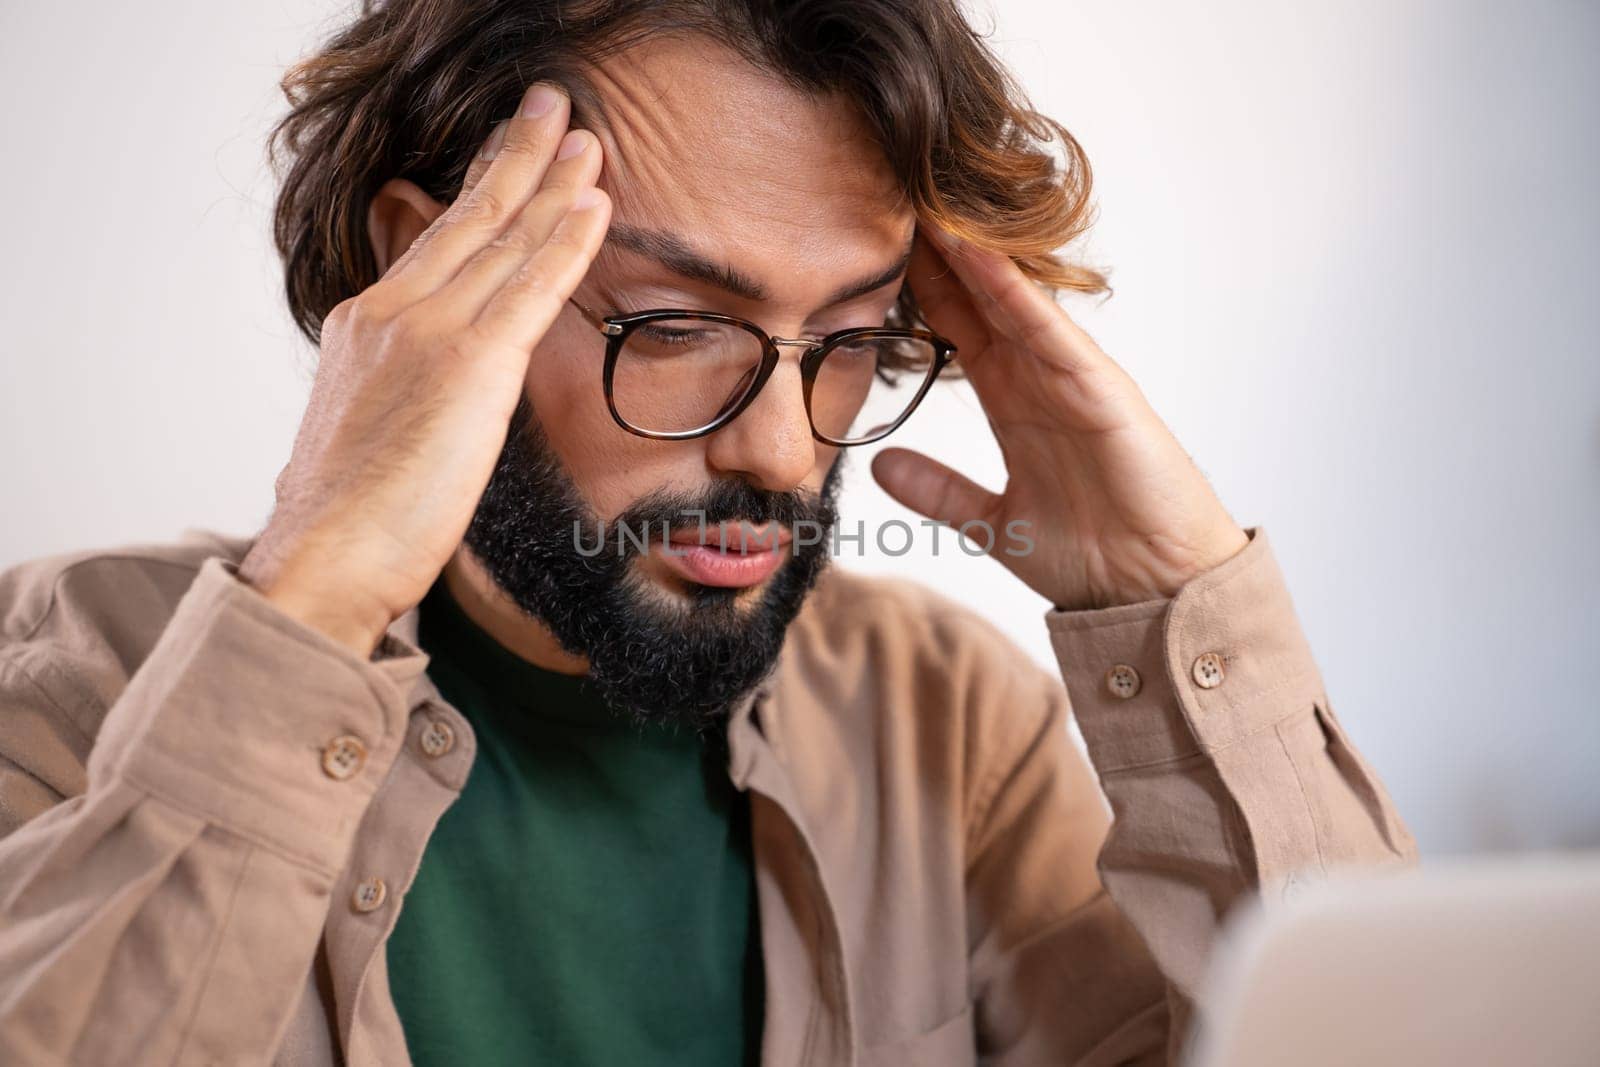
(649, 659)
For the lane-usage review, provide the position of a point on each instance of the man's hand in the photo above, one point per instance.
(418, 378)
(1117, 509)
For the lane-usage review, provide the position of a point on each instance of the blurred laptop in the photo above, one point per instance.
(1454, 963)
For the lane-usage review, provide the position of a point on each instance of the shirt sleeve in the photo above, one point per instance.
(1210, 734)
(175, 904)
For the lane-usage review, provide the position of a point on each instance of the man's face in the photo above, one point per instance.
(783, 201)
(786, 191)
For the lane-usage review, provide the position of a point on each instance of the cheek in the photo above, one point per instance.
(563, 385)
(611, 467)
(826, 454)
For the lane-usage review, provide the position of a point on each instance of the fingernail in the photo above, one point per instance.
(589, 197)
(497, 137)
(540, 100)
(571, 145)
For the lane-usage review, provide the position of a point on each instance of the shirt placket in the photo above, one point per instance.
(425, 779)
(808, 997)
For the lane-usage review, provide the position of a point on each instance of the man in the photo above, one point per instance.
(532, 728)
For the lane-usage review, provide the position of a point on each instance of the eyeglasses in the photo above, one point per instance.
(673, 374)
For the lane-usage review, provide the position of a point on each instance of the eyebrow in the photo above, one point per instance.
(678, 256)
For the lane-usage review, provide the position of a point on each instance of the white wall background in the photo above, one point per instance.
(1356, 248)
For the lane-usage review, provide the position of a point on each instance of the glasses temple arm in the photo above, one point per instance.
(599, 322)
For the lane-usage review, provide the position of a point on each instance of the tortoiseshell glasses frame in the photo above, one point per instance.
(617, 329)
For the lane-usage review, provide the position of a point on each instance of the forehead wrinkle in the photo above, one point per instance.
(740, 126)
(730, 169)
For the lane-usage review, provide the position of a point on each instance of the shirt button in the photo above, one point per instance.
(343, 757)
(1123, 681)
(369, 895)
(1208, 670)
(436, 739)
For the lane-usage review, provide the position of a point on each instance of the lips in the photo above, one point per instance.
(741, 537)
(729, 555)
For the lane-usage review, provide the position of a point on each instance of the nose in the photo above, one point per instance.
(770, 443)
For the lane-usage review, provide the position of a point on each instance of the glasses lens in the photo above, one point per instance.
(674, 375)
(866, 384)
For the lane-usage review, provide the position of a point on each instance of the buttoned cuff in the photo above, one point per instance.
(252, 719)
(1165, 679)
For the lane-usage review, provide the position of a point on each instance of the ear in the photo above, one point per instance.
(398, 213)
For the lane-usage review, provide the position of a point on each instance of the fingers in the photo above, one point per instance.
(523, 308)
(929, 488)
(481, 161)
(942, 298)
(1015, 307)
(513, 161)
(576, 168)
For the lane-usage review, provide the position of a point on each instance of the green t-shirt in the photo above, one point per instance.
(589, 899)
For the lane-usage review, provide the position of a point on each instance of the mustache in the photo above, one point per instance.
(528, 462)
(730, 501)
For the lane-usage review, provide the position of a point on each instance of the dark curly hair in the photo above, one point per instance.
(410, 88)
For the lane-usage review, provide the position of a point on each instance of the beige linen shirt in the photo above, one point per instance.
(210, 815)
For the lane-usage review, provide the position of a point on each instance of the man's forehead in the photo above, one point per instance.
(703, 145)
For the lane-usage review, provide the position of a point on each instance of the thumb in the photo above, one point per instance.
(929, 488)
